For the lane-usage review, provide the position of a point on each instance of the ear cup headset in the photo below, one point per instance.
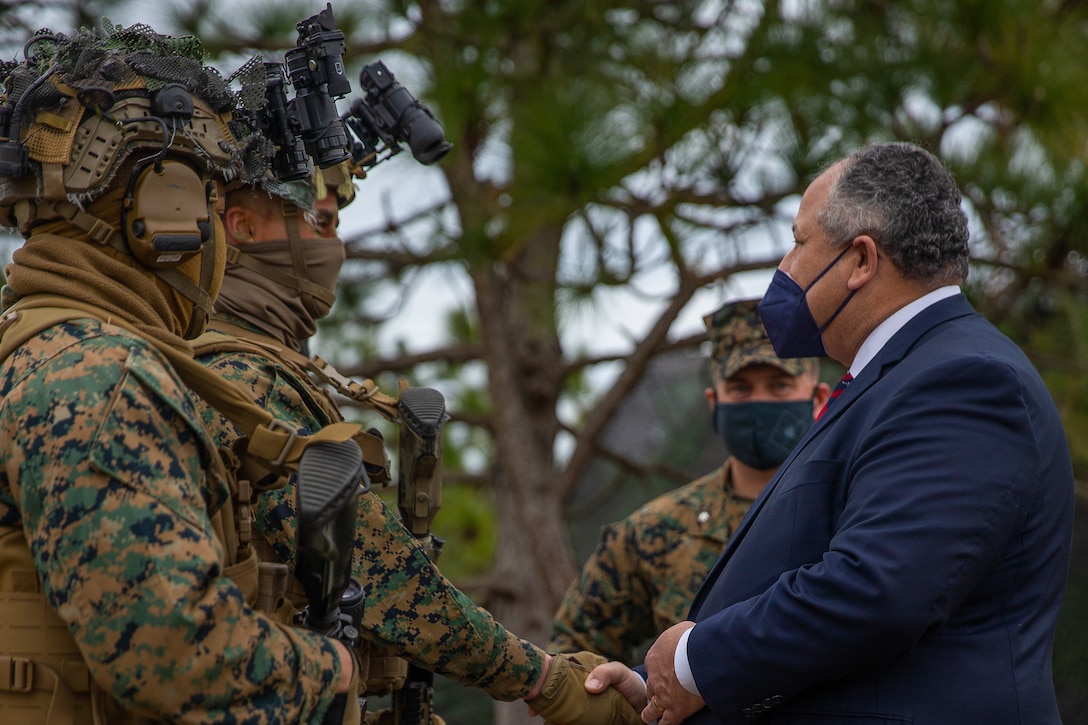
(166, 220)
(166, 213)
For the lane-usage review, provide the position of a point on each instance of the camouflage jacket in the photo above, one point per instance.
(646, 569)
(411, 609)
(105, 465)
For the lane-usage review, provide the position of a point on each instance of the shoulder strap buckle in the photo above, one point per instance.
(16, 674)
(292, 435)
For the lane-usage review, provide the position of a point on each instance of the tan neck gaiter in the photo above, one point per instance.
(263, 290)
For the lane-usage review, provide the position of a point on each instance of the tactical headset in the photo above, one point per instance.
(166, 213)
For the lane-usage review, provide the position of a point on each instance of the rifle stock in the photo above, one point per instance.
(422, 415)
(330, 477)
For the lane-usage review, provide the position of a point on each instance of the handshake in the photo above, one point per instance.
(563, 699)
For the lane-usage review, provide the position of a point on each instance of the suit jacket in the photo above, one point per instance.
(907, 562)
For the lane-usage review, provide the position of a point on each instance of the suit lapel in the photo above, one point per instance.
(895, 350)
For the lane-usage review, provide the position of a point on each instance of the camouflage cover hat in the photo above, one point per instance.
(737, 340)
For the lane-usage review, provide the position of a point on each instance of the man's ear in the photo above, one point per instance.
(868, 260)
(820, 398)
(710, 397)
(236, 223)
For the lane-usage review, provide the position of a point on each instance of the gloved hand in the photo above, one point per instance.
(563, 698)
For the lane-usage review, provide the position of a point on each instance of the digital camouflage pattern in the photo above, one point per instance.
(738, 339)
(646, 569)
(104, 463)
(411, 608)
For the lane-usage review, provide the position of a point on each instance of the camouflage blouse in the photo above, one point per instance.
(105, 465)
(645, 572)
(411, 608)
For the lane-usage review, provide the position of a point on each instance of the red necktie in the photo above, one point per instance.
(836, 392)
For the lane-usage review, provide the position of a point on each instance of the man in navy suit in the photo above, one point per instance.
(907, 563)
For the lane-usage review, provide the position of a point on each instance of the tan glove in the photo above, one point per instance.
(564, 700)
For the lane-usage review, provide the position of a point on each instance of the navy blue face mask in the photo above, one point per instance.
(787, 318)
(761, 434)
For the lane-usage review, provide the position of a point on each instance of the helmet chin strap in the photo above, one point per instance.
(198, 293)
(298, 259)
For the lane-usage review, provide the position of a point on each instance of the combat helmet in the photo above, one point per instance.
(122, 109)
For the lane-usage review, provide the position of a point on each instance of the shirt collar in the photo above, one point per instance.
(886, 329)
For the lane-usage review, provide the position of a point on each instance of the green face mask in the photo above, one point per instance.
(762, 434)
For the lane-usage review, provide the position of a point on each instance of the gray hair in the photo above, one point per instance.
(905, 199)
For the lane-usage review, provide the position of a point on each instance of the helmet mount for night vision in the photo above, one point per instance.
(308, 125)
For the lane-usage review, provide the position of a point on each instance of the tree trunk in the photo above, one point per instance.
(534, 562)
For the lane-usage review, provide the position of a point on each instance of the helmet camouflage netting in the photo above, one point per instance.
(257, 149)
(82, 104)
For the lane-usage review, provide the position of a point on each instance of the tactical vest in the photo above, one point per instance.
(43, 677)
(380, 672)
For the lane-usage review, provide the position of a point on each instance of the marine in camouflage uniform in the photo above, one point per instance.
(646, 569)
(265, 313)
(127, 584)
(115, 599)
